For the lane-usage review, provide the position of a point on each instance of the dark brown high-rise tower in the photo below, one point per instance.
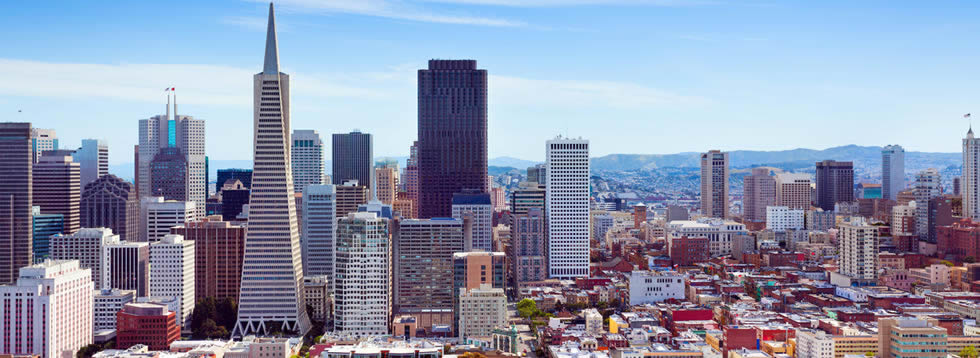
(452, 133)
(16, 164)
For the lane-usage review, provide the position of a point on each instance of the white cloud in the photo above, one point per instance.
(506, 90)
(391, 9)
(556, 3)
(249, 22)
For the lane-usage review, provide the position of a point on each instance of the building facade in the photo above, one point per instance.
(567, 207)
(319, 231)
(835, 183)
(149, 324)
(714, 184)
(89, 246)
(108, 303)
(386, 180)
(529, 262)
(353, 158)
(111, 202)
(759, 193)
(793, 190)
(219, 249)
(858, 247)
(44, 226)
(781, 218)
(16, 167)
(172, 273)
(720, 233)
(927, 186)
(184, 136)
(157, 216)
(422, 263)
(363, 255)
(127, 267)
(307, 158)
(42, 140)
(649, 287)
(56, 187)
(479, 209)
(93, 160)
(481, 310)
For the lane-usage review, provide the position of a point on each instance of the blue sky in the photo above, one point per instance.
(633, 76)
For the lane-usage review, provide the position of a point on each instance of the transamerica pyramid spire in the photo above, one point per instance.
(271, 45)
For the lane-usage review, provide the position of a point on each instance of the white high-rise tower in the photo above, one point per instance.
(971, 173)
(183, 133)
(567, 205)
(272, 271)
(307, 159)
(892, 171)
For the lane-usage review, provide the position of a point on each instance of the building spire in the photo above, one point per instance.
(271, 46)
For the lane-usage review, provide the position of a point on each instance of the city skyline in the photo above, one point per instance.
(664, 89)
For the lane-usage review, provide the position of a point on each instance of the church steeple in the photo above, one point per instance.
(271, 46)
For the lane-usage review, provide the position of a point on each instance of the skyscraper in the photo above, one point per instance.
(93, 157)
(349, 196)
(319, 231)
(529, 261)
(793, 190)
(56, 189)
(970, 181)
(567, 205)
(172, 273)
(307, 159)
(892, 171)
(411, 181)
(168, 175)
(759, 193)
(157, 216)
(835, 183)
(363, 256)
(858, 249)
(422, 267)
(16, 167)
(452, 133)
(477, 207)
(42, 140)
(272, 292)
(185, 135)
(927, 187)
(219, 247)
(353, 158)
(127, 266)
(386, 180)
(714, 184)
(45, 225)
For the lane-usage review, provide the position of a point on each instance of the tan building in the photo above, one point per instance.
(910, 338)
(793, 190)
(481, 310)
(714, 184)
(350, 195)
(404, 207)
(387, 181)
(858, 243)
(56, 180)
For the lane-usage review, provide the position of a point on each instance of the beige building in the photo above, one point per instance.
(350, 195)
(858, 244)
(793, 190)
(481, 310)
(386, 178)
(910, 338)
(714, 184)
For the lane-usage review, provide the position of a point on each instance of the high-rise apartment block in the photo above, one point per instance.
(835, 183)
(180, 170)
(158, 216)
(892, 171)
(793, 190)
(172, 271)
(479, 209)
(49, 311)
(353, 158)
(759, 193)
(111, 202)
(219, 248)
(422, 263)
(89, 246)
(452, 133)
(529, 261)
(319, 231)
(714, 184)
(858, 247)
(272, 291)
(927, 186)
(363, 255)
(127, 267)
(307, 158)
(93, 158)
(567, 205)
(56, 187)
(16, 164)
(970, 181)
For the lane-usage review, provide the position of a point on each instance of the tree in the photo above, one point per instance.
(969, 352)
(527, 308)
(88, 351)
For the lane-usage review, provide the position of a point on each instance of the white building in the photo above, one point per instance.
(481, 310)
(319, 231)
(107, 304)
(93, 158)
(601, 224)
(307, 159)
(892, 171)
(480, 208)
(814, 344)
(593, 321)
(173, 131)
(782, 218)
(927, 186)
(720, 233)
(88, 246)
(970, 177)
(858, 247)
(49, 311)
(899, 224)
(271, 290)
(567, 205)
(362, 293)
(157, 216)
(172, 274)
(652, 287)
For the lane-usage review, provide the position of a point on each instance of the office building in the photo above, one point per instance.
(651, 287)
(386, 179)
(127, 267)
(452, 133)
(759, 193)
(529, 262)
(793, 190)
(44, 226)
(158, 216)
(108, 302)
(93, 159)
(721, 233)
(353, 158)
(16, 164)
(349, 196)
(111, 202)
(234, 197)
(868, 191)
(472, 269)
(42, 140)
(242, 175)
(567, 207)
(714, 184)
(169, 174)
(481, 310)
(526, 196)
(905, 337)
(927, 186)
(149, 324)
(835, 183)
(172, 272)
(404, 206)
(180, 140)
(56, 189)
(49, 311)
(319, 231)
(858, 247)
(970, 177)
(478, 207)
(363, 255)
(88, 246)
(411, 179)
(940, 214)
(781, 218)
(315, 289)
(422, 263)
(219, 249)
(307, 159)
(272, 292)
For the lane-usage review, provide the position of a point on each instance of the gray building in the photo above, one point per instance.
(319, 231)
(423, 263)
(892, 171)
(93, 157)
(835, 183)
(352, 158)
(111, 202)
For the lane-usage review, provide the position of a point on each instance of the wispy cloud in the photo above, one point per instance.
(247, 22)
(556, 3)
(507, 90)
(394, 10)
